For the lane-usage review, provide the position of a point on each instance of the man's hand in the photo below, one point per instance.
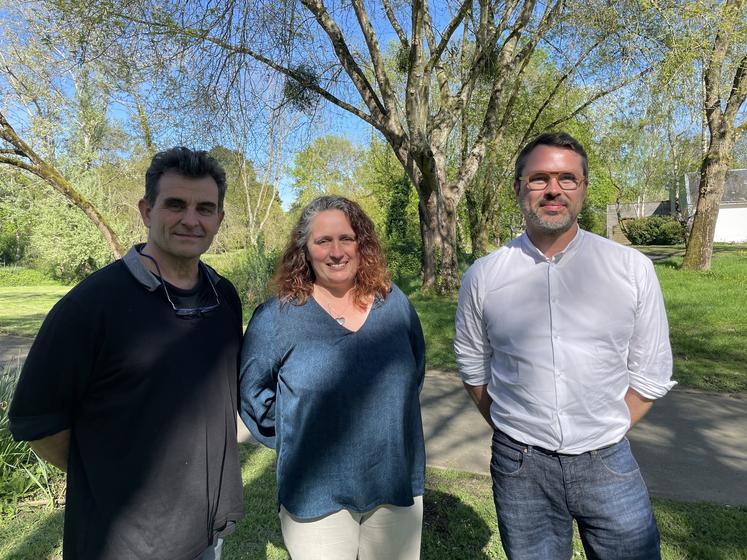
(54, 449)
(481, 398)
(638, 405)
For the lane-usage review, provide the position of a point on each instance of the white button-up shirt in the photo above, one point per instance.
(559, 340)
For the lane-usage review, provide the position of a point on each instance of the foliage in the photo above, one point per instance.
(22, 474)
(65, 245)
(296, 89)
(251, 273)
(654, 230)
(395, 211)
(12, 276)
(252, 208)
(12, 247)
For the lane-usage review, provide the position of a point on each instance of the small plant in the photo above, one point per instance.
(23, 475)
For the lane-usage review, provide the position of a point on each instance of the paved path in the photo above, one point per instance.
(13, 349)
(692, 446)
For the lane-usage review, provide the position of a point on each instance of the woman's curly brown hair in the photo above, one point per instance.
(294, 278)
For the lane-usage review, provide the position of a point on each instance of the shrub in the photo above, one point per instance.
(251, 275)
(654, 230)
(11, 276)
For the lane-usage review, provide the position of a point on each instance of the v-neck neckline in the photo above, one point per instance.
(340, 325)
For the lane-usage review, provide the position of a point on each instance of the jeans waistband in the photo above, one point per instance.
(549, 452)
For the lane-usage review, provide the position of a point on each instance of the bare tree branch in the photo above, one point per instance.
(738, 91)
(395, 24)
(387, 93)
(556, 89)
(601, 94)
(361, 83)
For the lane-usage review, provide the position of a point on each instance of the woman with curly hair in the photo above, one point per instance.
(331, 371)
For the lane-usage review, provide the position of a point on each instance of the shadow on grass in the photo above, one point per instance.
(452, 530)
(43, 540)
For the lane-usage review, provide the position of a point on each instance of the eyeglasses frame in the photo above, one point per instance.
(525, 180)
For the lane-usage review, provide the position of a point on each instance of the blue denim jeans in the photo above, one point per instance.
(538, 494)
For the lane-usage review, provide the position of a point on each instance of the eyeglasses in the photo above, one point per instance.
(188, 312)
(538, 181)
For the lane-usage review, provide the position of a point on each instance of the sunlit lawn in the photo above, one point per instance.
(459, 522)
(23, 308)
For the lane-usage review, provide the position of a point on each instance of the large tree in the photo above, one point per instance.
(446, 52)
(724, 78)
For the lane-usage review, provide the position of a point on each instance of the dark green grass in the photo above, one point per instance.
(459, 522)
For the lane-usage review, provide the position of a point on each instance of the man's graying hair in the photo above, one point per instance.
(192, 164)
(554, 139)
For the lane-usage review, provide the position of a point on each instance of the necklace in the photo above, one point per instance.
(339, 317)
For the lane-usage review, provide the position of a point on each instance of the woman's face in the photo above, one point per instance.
(333, 250)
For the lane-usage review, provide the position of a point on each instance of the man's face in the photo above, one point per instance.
(184, 218)
(552, 210)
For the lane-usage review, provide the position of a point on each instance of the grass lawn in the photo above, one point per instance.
(23, 308)
(707, 318)
(459, 522)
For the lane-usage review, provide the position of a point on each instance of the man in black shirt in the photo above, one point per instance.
(131, 384)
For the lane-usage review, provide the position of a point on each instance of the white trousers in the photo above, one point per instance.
(385, 533)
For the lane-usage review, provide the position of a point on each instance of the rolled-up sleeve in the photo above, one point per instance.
(471, 345)
(55, 374)
(650, 353)
(260, 364)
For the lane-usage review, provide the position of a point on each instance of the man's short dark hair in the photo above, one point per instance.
(194, 164)
(555, 139)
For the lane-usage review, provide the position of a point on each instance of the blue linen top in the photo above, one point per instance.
(341, 408)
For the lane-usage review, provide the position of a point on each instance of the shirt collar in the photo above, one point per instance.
(150, 281)
(539, 256)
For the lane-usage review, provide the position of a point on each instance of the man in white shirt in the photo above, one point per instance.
(562, 341)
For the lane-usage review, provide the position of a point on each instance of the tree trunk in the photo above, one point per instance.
(428, 212)
(478, 224)
(711, 190)
(447, 225)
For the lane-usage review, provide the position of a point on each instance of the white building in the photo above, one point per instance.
(731, 225)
